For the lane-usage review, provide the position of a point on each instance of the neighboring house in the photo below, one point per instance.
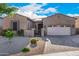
(59, 24)
(18, 22)
(1, 22)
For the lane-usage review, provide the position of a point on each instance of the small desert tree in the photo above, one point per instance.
(9, 34)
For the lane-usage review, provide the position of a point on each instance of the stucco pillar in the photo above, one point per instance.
(42, 32)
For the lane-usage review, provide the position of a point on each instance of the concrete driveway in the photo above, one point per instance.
(16, 45)
(72, 41)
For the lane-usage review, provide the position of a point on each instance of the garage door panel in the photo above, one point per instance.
(58, 31)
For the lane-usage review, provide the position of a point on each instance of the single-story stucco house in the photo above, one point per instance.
(18, 22)
(57, 24)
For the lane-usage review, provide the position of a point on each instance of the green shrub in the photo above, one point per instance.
(25, 50)
(8, 33)
(33, 41)
(20, 32)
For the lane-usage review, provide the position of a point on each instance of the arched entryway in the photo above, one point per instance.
(38, 27)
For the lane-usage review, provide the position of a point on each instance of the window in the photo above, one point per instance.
(15, 26)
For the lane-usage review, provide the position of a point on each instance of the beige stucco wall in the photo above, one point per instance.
(77, 22)
(23, 22)
(30, 25)
(59, 20)
(6, 24)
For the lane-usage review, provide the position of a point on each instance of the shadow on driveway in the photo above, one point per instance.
(16, 45)
(72, 41)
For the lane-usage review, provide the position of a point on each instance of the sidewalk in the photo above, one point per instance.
(67, 53)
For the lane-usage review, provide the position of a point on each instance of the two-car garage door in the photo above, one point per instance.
(59, 31)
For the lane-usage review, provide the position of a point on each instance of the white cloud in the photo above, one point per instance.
(33, 9)
(31, 15)
(73, 15)
(50, 10)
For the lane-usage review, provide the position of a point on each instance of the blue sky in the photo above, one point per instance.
(48, 9)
